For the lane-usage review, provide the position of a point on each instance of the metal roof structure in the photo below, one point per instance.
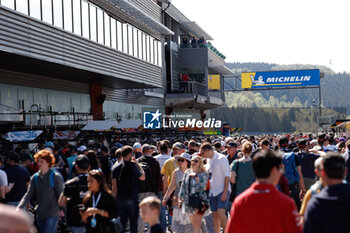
(134, 11)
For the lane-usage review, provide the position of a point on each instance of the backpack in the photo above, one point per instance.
(290, 168)
(146, 185)
(52, 180)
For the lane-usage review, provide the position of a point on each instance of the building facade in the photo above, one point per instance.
(65, 62)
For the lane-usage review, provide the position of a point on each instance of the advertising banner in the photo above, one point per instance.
(287, 78)
(22, 136)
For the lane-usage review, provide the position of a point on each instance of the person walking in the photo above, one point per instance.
(181, 221)
(73, 193)
(219, 176)
(100, 205)
(262, 208)
(45, 188)
(193, 198)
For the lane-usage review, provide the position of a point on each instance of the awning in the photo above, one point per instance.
(131, 9)
(100, 125)
(129, 124)
(22, 136)
(221, 70)
(194, 28)
(65, 135)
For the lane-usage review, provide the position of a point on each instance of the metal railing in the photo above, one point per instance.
(193, 87)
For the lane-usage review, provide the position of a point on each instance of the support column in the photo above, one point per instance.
(97, 99)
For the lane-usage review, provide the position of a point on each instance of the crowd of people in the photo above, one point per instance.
(283, 183)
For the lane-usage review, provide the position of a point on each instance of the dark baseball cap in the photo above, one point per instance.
(232, 144)
(82, 162)
(302, 142)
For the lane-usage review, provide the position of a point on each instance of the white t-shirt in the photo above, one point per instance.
(218, 170)
(3, 178)
(161, 159)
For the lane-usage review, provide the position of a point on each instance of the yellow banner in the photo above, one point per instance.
(214, 82)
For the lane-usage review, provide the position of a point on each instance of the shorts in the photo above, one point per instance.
(216, 203)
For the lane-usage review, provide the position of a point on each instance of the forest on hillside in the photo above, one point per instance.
(294, 110)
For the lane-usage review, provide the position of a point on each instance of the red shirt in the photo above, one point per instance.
(185, 77)
(263, 209)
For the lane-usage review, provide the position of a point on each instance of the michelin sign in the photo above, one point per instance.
(288, 78)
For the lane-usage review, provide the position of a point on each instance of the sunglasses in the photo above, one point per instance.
(181, 160)
(194, 161)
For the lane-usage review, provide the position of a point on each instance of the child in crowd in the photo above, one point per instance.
(149, 210)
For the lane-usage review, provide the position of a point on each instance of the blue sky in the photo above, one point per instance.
(276, 31)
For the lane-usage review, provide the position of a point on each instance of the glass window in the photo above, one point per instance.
(85, 18)
(148, 55)
(34, 9)
(139, 42)
(119, 36)
(67, 6)
(57, 13)
(113, 33)
(93, 22)
(160, 61)
(47, 11)
(155, 46)
(151, 41)
(76, 17)
(100, 26)
(22, 6)
(125, 38)
(107, 30)
(130, 40)
(8, 3)
(135, 44)
(144, 47)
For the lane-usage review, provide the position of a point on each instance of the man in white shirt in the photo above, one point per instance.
(219, 177)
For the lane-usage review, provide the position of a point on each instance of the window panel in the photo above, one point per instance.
(139, 42)
(119, 36)
(148, 51)
(57, 13)
(100, 26)
(107, 31)
(125, 38)
(135, 44)
(67, 6)
(130, 40)
(34, 9)
(8, 3)
(160, 61)
(85, 18)
(93, 23)
(144, 47)
(113, 34)
(22, 6)
(76, 17)
(151, 41)
(47, 11)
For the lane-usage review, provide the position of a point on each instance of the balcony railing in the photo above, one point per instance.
(203, 45)
(193, 87)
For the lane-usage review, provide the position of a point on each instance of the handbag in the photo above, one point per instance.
(194, 200)
(117, 226)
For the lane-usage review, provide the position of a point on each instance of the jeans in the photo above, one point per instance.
(163, 215)
(129, 210)
(294, 193)
(47, 225)
(77, 229)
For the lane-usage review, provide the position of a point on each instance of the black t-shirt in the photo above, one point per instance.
(127, 176)
(20, 176)
(107, 203)
(307, 162)
(152, 186)
(106, 163)
(75, 189)
(156, 229)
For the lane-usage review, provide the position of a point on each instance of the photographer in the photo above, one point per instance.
(73, 194)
